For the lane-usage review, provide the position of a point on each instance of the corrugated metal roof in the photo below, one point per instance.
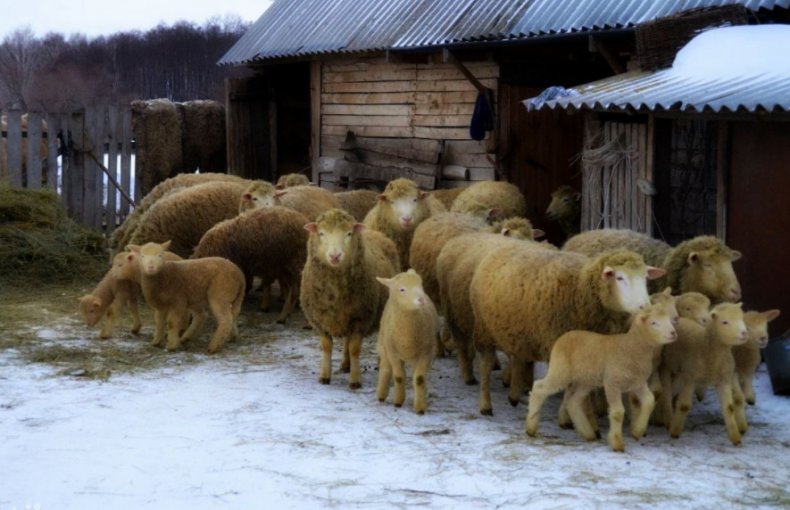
(665, 91)
(292, 28)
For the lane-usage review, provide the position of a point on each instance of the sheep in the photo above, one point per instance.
(270, 243)
(290, 180)
(565, 208)
(176, 289)
(358, 202)
(455, 267)
(702, 356)
(619, 363)
(408, 326)
(703, 264)
(493, 194)
(308, 200)
(595, 242)
(339, 294)
(747, 356)
(446, 196)
(401, 208)
(108, 300)
(525, 298)
(120, 236)
(184, 216)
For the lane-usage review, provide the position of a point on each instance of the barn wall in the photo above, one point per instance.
(380, 101)
(758, 215)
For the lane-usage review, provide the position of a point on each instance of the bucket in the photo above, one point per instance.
(777, 359)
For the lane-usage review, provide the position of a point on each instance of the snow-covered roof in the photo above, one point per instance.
(741, 68)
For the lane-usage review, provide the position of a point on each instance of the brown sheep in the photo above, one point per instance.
(108, 300)
(308, 200)
(595, 242)
(358, 202)
(495, 195)
(290, 180)
(565, 208)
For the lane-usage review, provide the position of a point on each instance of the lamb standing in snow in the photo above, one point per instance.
(176, 289)
(582, 361)
(401, 208)
(108, 300)
(747, 356)
(339, 294)
(406, 335)
(524, 299)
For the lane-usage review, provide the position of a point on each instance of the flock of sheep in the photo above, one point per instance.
(358, 262)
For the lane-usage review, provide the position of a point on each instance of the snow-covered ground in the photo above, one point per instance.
(252, 428)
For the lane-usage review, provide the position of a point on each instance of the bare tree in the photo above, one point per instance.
(22, 56)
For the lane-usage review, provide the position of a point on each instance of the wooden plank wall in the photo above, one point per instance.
(423, 103)
(611, 197)
(28, 159)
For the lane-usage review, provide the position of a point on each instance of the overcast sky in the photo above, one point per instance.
(103, 17)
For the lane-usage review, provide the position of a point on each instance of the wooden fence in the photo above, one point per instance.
(85, 155)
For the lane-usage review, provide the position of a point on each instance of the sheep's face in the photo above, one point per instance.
(258, 194)
(333, 244)
(517, 228)
(627, 287)
(407, 210)
(151, 257)
(710, 272)
(90, 307)
(694, 306)
(757, 326)
(289, 180)
(660, 321)
(728, 324)
(565, 204)
(123, 264)
(406, 289)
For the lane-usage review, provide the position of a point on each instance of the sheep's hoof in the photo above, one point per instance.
(513, 402)
(471, 382)
(566, 425)
(420, 412)
(399, 405)
(104, 336)
(355, 385)
(345, 368)
(382, 399)
(136, 331)
(324, 380)
(487, 412)
(750, 401)
(280, 321)
(674, 435)
(597, 434)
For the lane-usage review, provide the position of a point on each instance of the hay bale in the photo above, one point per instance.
(203, 141)
(39, 242)
(157, 127)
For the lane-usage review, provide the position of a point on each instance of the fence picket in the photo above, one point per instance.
(33, 156)
(126, 160)
(14, 149)
(112, 166)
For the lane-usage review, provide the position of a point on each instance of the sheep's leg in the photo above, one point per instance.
(466, 356)
(577, 413)
(399, 374)
(654, 383)
(160, 324)
(590, 411)
(345, 364)
(266, 295)
(724, 391)
(614, 398)
(645, 401)
(385, 376)
(134, 309)
(174, 321)
(700, 393)
(326, 359)
(682, 408)
(420, 383)
(223, 312)
(664, 407)
(564, 419)
(354, 350)
(194, 327)
(739, 402)
(541, 390)
(748, 389)
(505, 375)
(290, 303)
(517, 374)
(486, 365)
(112, 312)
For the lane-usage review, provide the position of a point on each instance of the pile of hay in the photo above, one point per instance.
(39, 242)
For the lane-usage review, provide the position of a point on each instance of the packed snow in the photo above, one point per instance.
(251, 427)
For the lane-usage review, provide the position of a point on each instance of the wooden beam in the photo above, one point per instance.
(606, 52)
(449, 57)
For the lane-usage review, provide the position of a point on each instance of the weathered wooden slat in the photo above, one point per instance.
(384, 86)
(446, 97)
(438, 133)
(442, 120)
(14, 147)
(452, 73)
(641, 203)
(466, 147)
(315, 118)
(452, 85)
(356, 170)
(650, 160)
(385, 98)
(373, 131)
(364, 109)
(436, 108)
(91, 186)
(3, 157)
(398, 73)
(482, 174)
(33, 156)
(53, 178)
(76, 169)
(467, 160)
(113, 119)
(425, 151)
(364, 120)
(377, 159)
(126, 161)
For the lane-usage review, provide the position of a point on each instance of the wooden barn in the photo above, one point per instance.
(701, 146)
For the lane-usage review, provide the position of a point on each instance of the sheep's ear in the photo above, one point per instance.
(642, 317)
(713, 315)
(735, 255)
(130, 257)
(381, 197)
(421, 194)
(667, 291)
(166, 245)
(311, 227)
(359, 227)
(134, 248)
(387, 282)
(279, 186)
(693, 257)
(771, 314)
(537, 233)
(506, 232)
(494, 213)
(411, 271)
(246, 196)
(655, 272)
(607, 273)
(280, 192)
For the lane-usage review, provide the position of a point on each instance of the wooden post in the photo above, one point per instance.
(76, 169)
(33, 155)
(14, 144)
(53, 171)
(126, 160)
(315, 118)
(722, 177)
(112, 167)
